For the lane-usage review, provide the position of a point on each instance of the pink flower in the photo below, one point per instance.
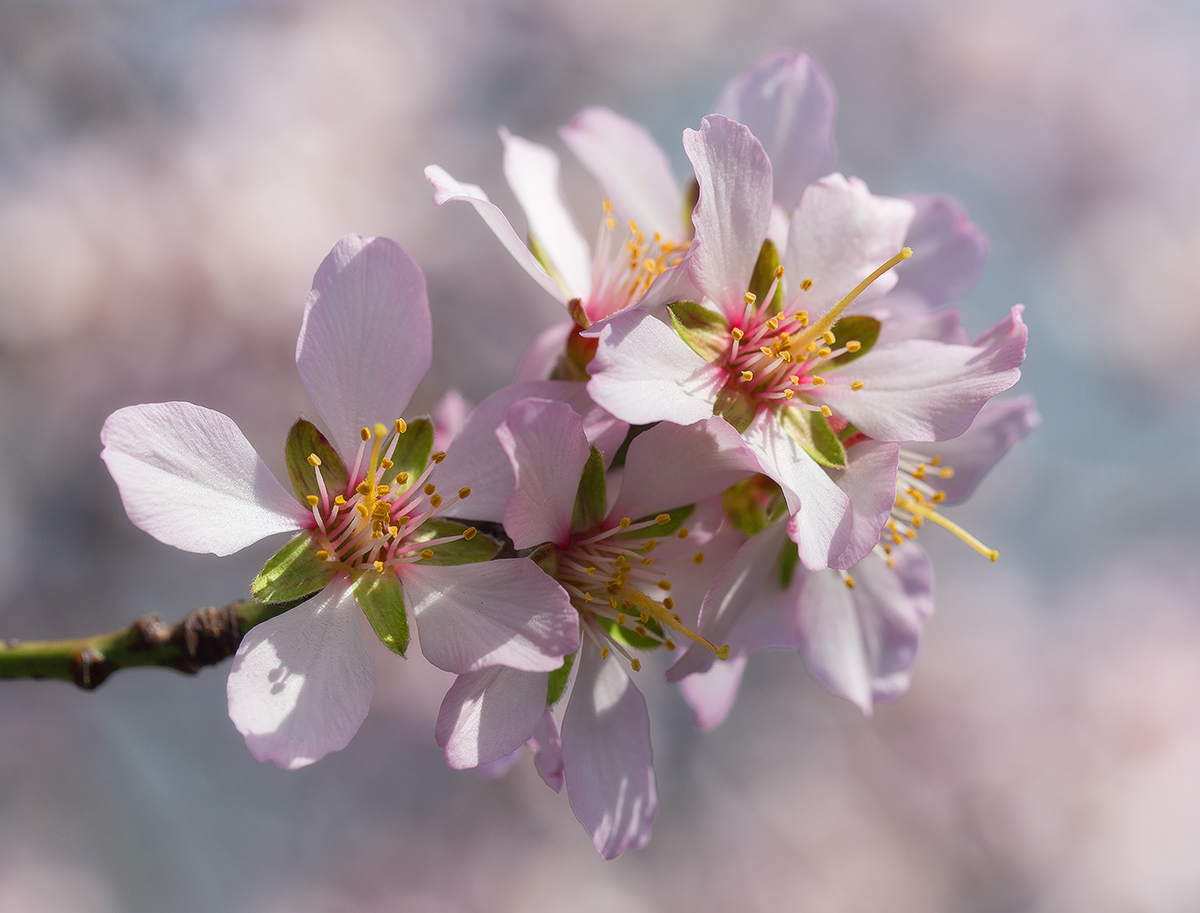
(623, 561)
(302, 681)
(781, 358)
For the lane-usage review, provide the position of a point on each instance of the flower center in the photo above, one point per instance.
(623, 270)
(609, 575)
(374, 522)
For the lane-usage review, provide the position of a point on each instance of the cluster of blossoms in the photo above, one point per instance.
(729, 445)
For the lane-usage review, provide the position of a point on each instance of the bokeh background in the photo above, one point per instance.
(171, 174)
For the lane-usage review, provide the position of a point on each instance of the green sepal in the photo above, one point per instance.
(556, 683)
(811, 430)
(764, 275)
(545, 556)
(704, 330)
(382, 601)
(848, 432)
(630, 637)
(590, 498)
(743, 507)
(789, 557)
(293, 573)
(857, 326)
(411, 454)
(305, 439)
(460, 551)
(735, 406)
(677, 517)
(543, 258)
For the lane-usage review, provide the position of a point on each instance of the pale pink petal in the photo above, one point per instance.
(189, 478)
(733, 211)
(672, 285)
(446, 188)
(631, 167)
(711, 694)
(788, 102)
(547, 449)
(302, 681)
(476, 459)
(840, 234)
(544, 353)
(494, 770)
(547, 748)
(822, 516)
(949, 251)
(489, 714)
(672, 465)
(644, 372)
(365, 342)
(1000, 424)
(494, 613)
(607, 760)
(869, 481)
(532, 173)
(860, 643)
(921, 390)
(448, 417)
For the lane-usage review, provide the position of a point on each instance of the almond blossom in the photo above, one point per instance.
(365, 509)
(781, 359)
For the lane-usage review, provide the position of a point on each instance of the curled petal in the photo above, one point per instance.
(302, 681)
(949, 251)
(489, 714)
(869, 481)
(496, 613)
(788, 103)
(188, 476)
(365, 342)
(607, 760)
(711, 694)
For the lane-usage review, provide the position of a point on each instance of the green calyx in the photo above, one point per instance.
(293, 573)
(381, 598)
(590, 504)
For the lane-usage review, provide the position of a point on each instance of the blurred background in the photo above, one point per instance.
(171, 175)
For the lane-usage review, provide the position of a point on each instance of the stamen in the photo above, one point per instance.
(830, 317)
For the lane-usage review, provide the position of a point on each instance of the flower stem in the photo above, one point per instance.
(203, 638)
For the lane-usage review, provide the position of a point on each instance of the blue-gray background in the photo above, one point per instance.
(171, 174)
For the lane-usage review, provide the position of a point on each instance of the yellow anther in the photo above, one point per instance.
(826, 411)
(946, 472)
(668, 603)
(849, 581)
(747, 376)
(773, 324)
(429, 488)
(393, 530)
(853, 345)
(402, 478)
(340, 501)
(621, 619)
(363, 488)
(683, 533)
(806, 284)
(698, 558)
(937, 459)
(470, 533)
(723, 652)
(635, 665)
(426, 553)
(824, 352)
(794, 378)
(379, 566)
(641, 629)
(591, 571)
(802, 318)
(313, 500)
(382, 490)
(811, 347)
(652, 544)
(314, 460)
(668, 643)
(608, 207)
(625, 521)
(380, 430)
(438, 456)
(386, 463)
(322, 555)
(766, 350)
(661, 520)
(401, 426)
(818, 380)
(789, 393)
(464, 492)
(856, 385)
(604, 650)
(749, 298)
(829, 338)
(664, 585)
(736, 333)
(779, 272)
(365, 434)
(435, 501)
(647, 561)
(938, 497)
(362, 509)
(403, 520)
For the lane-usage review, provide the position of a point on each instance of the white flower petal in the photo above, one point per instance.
(489, 714)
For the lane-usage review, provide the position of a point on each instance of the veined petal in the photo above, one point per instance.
(869, 481)
(711, 694)
(632, 169)
(607, 759)
(547, 449)
(446, 188)
(489, 714)
(922, 390)
(477, 460)
(672, 465)
(644, 372)
(495, 613)
(188, 476)
(788, 103)
(840, 234)
(365, 342)
(532, 173)
(734, 209)
(949, 251)
(861, 643)
(543, 354)
(302, 681)
(1000, 424)
(822, 516)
